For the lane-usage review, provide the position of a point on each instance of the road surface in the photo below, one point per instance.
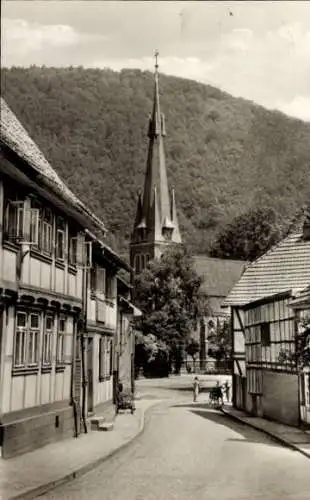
(189, 452)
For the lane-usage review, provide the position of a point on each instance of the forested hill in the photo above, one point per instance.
(225, 156)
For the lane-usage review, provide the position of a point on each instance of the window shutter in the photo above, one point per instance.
(80, 250)
(87, 254)
(100, 279)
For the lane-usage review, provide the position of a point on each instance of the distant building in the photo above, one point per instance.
(125, 350)
(266, 376)
(219, 276)
(58, 301)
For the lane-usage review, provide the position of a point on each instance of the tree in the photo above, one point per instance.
(192, 349)
(302, 355)
(220, 340)
(167, 293)
(249, 235)
(151, 355)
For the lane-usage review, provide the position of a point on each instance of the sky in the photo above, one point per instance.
(256, 50)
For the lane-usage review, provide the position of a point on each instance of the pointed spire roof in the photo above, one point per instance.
(156, 213)
(156, 174)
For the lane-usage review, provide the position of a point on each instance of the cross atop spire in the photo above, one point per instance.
(156, 60)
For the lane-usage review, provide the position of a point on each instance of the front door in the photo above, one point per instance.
(90, 392)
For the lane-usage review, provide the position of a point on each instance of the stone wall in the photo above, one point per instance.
(280, 397)
(27, 434)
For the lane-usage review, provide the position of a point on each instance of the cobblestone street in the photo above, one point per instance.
(190, 452)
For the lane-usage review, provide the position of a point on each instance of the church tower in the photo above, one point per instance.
(156, 224)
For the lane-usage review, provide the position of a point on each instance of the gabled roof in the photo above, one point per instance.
(285, 267)
(14, 136)
(219, 275)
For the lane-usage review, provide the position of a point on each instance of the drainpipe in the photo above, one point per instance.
(73, 384)
(133, 348)
(83, 338)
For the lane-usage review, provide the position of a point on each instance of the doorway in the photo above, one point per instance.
(90, 392)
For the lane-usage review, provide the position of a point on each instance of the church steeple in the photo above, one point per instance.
(157, 225)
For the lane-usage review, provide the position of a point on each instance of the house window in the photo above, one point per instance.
(62, 329)
(72, 250)
(137, 263)
(109, 281)
(27, 337)
(102, 358)
(265, 334)
(33, 339)
(98, 279)
(105, 358)
(20, 339)
(21, 223)
(110, 357)
(47, 339)
(60, 238)
(43, 226)
(46, 236)
(13, 214)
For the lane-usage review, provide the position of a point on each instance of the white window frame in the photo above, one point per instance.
(20, 332)
(73, 250)
(61, 337)
(21, 224)
(28, 350)
(105, 358)
(60, 249)
(47, 231)
(48, 334)
(84, 251)
(34, 334)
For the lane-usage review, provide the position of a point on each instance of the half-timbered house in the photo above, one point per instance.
(265, 379)
(301, 307)
(126, 312)
(48, 295)
(101, 330)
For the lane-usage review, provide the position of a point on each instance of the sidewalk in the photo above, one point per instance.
(292, 437)
(34, 473)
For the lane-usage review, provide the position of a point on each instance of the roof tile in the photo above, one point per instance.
(285, 267)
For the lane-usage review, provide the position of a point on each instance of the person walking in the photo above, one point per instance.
(195, 389)
(227, 390)
(219, 393)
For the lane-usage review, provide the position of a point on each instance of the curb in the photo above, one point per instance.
(45, 488)
(274, 437)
